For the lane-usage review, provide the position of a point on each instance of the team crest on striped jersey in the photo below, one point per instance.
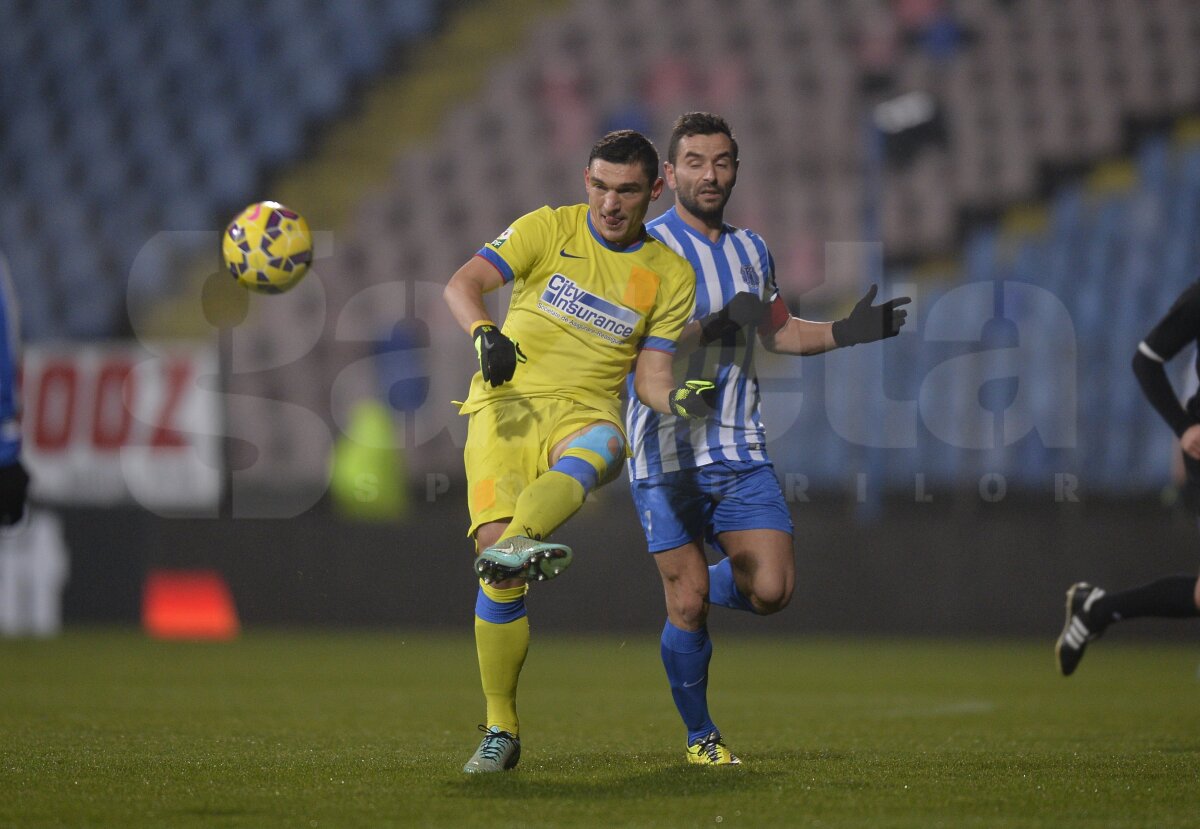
(750, 274)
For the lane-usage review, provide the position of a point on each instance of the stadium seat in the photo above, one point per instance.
(164, 122)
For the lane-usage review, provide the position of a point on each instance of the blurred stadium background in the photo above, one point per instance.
(1028, 170)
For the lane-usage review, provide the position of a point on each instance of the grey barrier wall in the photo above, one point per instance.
(959, 565)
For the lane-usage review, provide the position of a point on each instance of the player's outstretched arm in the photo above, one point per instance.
(866, 323)
(797, 336)
(655, 386)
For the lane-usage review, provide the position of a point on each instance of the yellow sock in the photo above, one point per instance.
(501, 648)
(545, 504)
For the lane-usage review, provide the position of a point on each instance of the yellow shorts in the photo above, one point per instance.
(508, 447)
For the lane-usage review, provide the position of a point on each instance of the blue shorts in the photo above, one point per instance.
(678, 507)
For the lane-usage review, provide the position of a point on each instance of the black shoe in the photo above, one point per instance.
(1078, 629)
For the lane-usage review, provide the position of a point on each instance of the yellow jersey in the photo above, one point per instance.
(581, 310)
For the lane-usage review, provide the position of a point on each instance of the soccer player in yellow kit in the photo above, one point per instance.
(593, 296)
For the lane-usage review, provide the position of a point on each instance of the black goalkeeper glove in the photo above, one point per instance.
(744, 309)
(498, 355)
(14, 484)
(695, 398)
(868, 323)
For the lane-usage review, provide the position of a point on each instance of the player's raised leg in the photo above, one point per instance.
(758, 573)
(579, 462)
(522, 557)
(754, 529)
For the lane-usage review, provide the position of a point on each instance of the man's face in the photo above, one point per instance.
(618, 197)
(703, 175)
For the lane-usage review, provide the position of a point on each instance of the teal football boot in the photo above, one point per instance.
(518, 557)
(499, 751)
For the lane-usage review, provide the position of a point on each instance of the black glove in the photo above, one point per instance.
(14, 484)
(868, 323)
(695, 398)
(744, 309)
(498, 355)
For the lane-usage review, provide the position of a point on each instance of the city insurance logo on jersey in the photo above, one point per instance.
(567, 301)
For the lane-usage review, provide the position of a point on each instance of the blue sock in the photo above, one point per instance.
(685, 655)
(722, 589)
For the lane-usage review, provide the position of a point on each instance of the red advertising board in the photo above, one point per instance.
(123, 423)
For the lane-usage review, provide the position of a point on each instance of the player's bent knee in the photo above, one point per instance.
(767, 606)
(771, 598)
(686, 602)
(692, 611)
(594, 457)
(605, 441)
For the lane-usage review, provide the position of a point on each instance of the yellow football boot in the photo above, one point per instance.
(711, 751)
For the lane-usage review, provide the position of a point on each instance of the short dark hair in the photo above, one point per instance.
(699, 123)
(627, 147)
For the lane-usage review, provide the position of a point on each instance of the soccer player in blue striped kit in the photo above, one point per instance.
(711, 480)
(14, 480)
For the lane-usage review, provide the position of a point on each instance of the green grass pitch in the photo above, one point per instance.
(107, 728)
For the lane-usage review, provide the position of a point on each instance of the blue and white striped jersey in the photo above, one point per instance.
(10, 353)
(739, 261)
